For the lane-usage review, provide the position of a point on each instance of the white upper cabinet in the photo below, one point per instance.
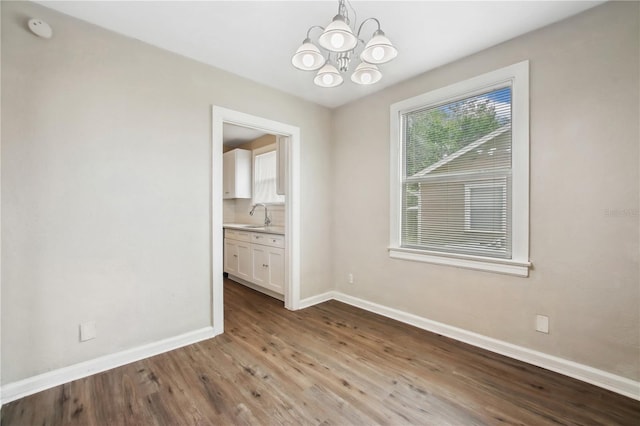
(237, 174)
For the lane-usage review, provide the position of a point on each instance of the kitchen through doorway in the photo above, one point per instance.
(255, 217)
(254, 207)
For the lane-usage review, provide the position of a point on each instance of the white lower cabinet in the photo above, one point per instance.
(230, 256)
(237, 258)
(268, 267)
(255, 257)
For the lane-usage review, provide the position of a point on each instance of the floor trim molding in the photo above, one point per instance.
(16, 390)
(317, 299)
(622, 385)
(601, 378)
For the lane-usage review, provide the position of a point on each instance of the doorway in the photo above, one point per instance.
(291, 134)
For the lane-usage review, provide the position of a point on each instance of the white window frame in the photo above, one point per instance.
(517, 76)
(254, 154)
(468, 187)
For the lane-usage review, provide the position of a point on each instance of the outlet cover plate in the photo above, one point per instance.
(542, 323)
(87, 331)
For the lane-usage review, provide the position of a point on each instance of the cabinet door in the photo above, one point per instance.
(230, 257)
(268, 267)
(244, 261)
(243, 173)
(236, 171)
(259, 273)
(275, 261)
(228, 173)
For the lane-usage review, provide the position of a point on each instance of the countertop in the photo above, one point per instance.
(255, 228)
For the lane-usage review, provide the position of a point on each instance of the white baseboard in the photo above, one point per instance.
(627, 387)
(317, 299)
(16, 390)
(603, 379)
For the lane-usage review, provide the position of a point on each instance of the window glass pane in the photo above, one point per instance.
(457, 171)
(435, 136)
(264, 179)
(486, 208)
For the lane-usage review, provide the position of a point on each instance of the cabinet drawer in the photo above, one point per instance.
(233, 234)
(271, 240)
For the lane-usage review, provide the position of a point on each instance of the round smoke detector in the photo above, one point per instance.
(40, 28)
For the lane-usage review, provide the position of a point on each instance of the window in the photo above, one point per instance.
(459, 174)
(265, 176)
(485, 208)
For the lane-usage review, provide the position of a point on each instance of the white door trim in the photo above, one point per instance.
(220, 116)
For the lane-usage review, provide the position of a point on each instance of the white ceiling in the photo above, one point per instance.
(256, 39)
(233, 135)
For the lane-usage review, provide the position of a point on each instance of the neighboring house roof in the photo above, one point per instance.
(464, 150)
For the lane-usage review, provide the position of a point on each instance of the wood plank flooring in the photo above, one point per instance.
(331, 364)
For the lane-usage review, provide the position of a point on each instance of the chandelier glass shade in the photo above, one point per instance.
(338, 44)
(378, 50)
(366, 74)
(308, 57)
(338, 36)
(328, 76)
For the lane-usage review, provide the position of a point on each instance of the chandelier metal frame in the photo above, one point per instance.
(339, 42)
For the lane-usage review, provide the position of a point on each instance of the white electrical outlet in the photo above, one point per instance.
(350, 278)
(542, 323)
(87, 331)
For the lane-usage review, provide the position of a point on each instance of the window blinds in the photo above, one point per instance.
(265, 178)
(456, 185)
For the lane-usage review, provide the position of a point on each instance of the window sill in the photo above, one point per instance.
(501, 266)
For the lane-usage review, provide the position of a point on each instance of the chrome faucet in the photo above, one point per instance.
(267, 221)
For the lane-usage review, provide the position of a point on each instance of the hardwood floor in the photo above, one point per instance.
(328, 364)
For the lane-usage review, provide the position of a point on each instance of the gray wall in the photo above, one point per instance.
(106, 194)
(584, 167)
(106, 148)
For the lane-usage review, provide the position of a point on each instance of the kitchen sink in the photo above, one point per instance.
(244, 225)
(257, 228)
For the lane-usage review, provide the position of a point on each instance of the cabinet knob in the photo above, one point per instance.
(266, 266)
(235, 255)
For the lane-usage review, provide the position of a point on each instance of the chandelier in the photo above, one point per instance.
(340, 41)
